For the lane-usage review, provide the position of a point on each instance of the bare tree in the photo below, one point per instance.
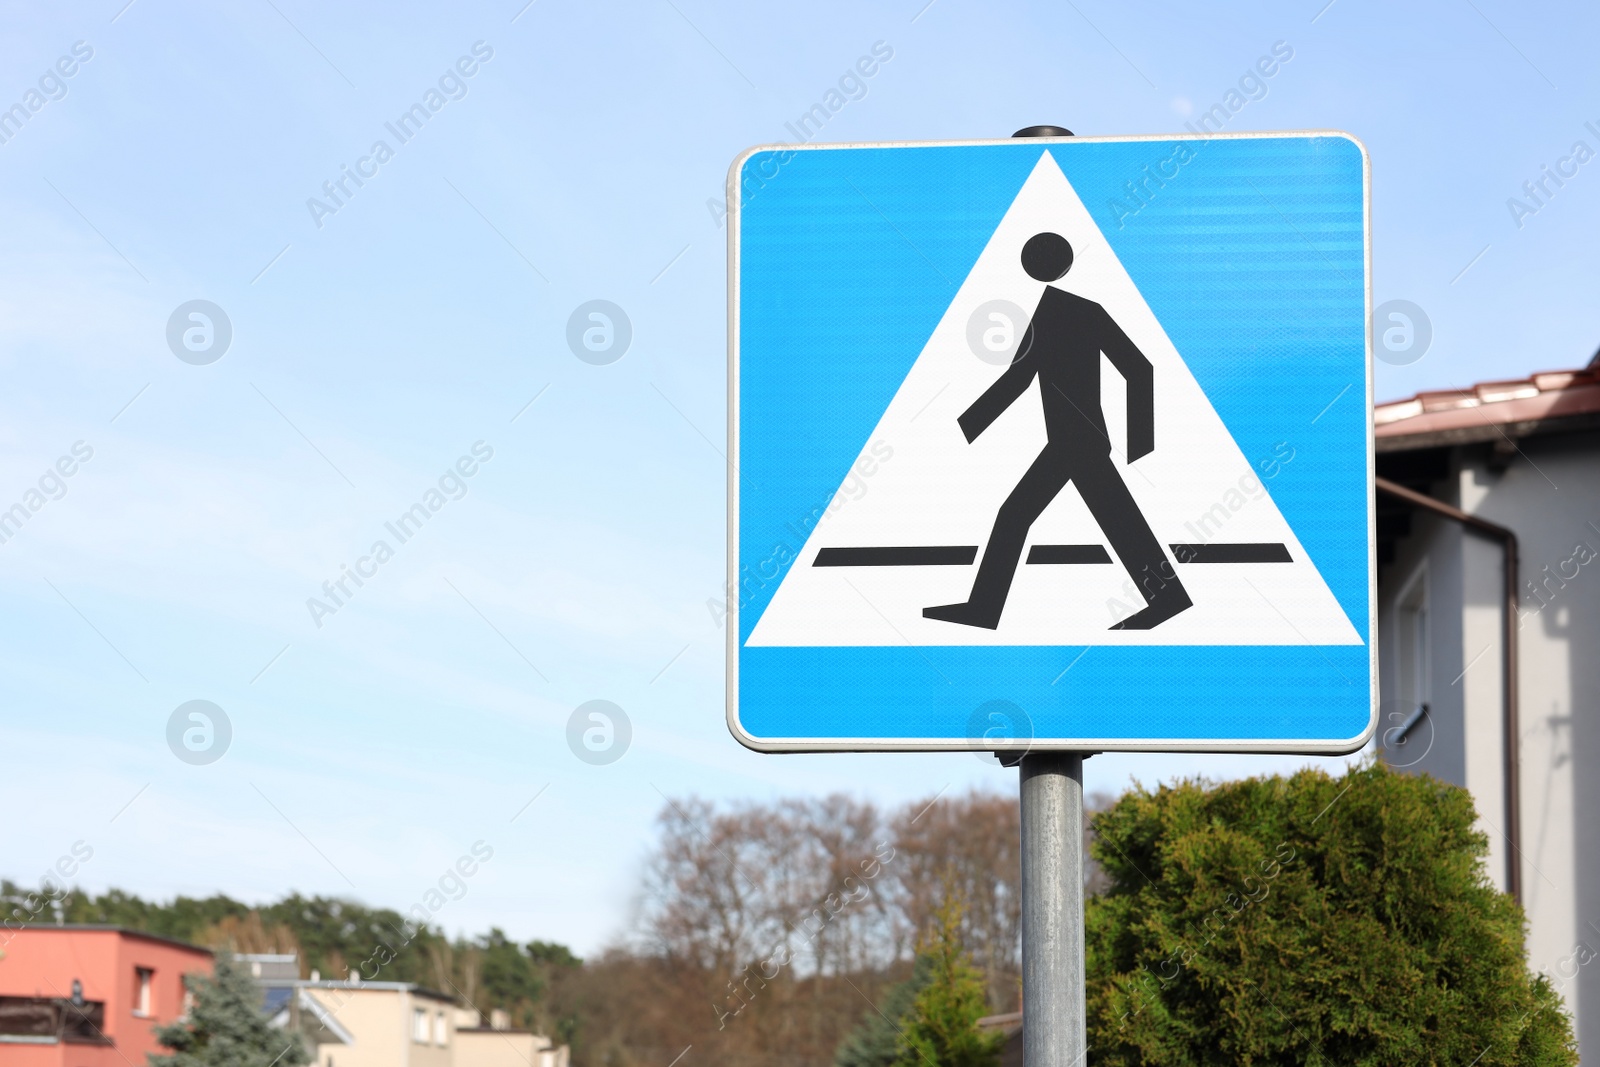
(974, 842)
(249, 934)
(704, 903)
(767, 931)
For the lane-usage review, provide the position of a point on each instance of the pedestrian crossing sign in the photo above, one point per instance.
(1052, 443)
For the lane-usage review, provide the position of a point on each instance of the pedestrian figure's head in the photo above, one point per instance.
(1046, 256)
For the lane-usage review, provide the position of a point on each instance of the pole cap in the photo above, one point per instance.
(1043, 131)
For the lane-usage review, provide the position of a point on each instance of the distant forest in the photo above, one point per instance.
(765, 932)
(332, 937)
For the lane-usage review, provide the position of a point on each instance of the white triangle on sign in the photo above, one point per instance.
(937, 490)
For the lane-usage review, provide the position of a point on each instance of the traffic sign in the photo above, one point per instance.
(1061, 443)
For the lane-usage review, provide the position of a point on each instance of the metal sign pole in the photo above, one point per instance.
(1053, 1017)
(1053, 1014)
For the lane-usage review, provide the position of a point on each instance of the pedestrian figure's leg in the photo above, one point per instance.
(1114, 509)
(1043, 480)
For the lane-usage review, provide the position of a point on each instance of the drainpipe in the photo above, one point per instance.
(1508, 542)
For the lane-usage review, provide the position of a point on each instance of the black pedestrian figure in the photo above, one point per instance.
(1062, 349)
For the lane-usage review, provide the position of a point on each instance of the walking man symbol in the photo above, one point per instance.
(1062, 349)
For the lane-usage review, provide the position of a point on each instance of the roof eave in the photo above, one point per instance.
(1407, 437)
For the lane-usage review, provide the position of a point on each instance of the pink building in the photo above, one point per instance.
(89, 996)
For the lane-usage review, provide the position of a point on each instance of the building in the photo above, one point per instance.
(500, 1045)
(381, 1024)
(392, 1024)
(89, 996)
(1488, 598)
(1009, 1027)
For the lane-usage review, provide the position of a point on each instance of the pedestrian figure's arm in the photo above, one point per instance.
(1137, 372)
(1002, 394)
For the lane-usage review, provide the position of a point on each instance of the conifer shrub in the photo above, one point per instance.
(1310, 920)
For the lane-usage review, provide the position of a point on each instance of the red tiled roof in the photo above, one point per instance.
(1546, 401)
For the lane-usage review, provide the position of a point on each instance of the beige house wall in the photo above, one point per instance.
(380, 1021)
(503, 1048)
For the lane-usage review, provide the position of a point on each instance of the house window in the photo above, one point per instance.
(441, 1030)
(419, 1026)
(1412, 659)
(142, 979)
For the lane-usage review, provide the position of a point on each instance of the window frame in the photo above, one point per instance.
(1413, 642)
(144, 992)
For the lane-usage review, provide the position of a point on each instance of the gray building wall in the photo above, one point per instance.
(1429, 562)
(1550, 495)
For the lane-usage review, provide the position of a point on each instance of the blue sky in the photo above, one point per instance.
(373, 351)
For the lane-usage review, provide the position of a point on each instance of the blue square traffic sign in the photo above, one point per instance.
(1062, 443)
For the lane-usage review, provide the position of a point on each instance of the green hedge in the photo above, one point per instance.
(1310, 920)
